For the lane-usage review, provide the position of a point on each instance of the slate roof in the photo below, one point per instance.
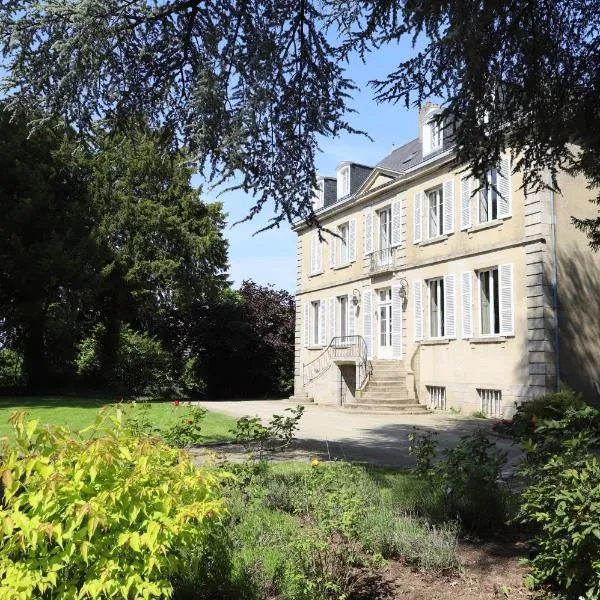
(408, 156)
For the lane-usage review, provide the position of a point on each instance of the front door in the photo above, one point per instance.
(385, 324)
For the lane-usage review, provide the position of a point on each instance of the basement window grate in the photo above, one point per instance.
(491, 402)
(437, 397)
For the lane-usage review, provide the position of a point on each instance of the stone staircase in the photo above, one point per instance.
(386, 391)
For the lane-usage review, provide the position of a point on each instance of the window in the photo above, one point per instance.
(436, 308)
(437, 397)
(343, 182)
(489, 302)
(343, 241)
(385, 228)
(433, 135)
(491, 402)
(315, 314)
(385, 318)
(436, 211)
(343, 315)
(488, 198)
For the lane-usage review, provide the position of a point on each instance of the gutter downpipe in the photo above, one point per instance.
(555, 294)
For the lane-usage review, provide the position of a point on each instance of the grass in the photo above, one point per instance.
(79, 412)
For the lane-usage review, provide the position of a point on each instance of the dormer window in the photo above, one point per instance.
(343, 182)
(433, 134)
(319, 195)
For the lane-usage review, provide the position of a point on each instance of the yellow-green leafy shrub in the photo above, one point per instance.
(99, 513)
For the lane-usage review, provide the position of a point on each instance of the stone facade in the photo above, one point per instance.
(468, 305)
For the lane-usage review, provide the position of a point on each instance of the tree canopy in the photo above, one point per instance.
(253, 87)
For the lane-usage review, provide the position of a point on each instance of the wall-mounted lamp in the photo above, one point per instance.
(403, 291)
(355, 297)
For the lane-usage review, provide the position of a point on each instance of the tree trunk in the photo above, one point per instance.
(34, 360)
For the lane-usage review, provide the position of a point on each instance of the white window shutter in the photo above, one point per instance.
(418, 303)
(396, 322)
(450, 306)
(467, 305)
(351, 317)
(505, 290)
(323, 321)
(368, 321)
(331, 318)
(352, 240)
(333, 241)
(417, 218)
(465, 202)
(313, 254)
(368, 231)
(396, 223)
(449, 206)
(319, 261)
(504, 188)
(306, 324)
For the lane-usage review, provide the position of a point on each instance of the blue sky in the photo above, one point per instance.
(270, 257)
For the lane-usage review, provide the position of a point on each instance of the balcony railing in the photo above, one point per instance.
(383, 260)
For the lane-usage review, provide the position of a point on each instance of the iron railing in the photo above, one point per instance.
(350, 347)
(383, 260)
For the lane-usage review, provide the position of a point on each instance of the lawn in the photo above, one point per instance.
(78, 412)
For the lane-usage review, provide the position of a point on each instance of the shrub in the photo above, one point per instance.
(142, 366)
(562, 504)
(551, 406)
(420, 544)
(277, 435)
(423, 448)
(11, 368)
(471, 473)
(190, 379)
(100, 513)
(187, 431)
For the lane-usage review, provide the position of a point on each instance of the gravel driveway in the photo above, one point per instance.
(329, 432)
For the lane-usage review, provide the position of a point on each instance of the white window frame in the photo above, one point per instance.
(344, 181)
(438, 283)
(315, 323)
(341, 321)
(439, 208)
(494, 302)
(435, 137)
(343, 243)
(488, 194)
(384, 214)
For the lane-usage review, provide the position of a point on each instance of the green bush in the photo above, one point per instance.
(142, 367)
(187, 431)
(420, 544)
(562, 504)
(471, 475)
(100, 513)
(11, 368)
(551, 406)
(191, 381)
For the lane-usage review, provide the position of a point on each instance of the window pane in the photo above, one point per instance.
(484, 279)
(343, 315)
(433, 309)
(496, 296)
(483, 203)
(315, 322)
(493, 193)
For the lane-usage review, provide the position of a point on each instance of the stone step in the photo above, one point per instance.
(388, 367)
(392, 400)
(403, 393)
(407, 409)
(301, 399)
(387, 376)
(384, 384)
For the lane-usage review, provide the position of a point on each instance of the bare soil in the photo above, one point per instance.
(489, 570)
